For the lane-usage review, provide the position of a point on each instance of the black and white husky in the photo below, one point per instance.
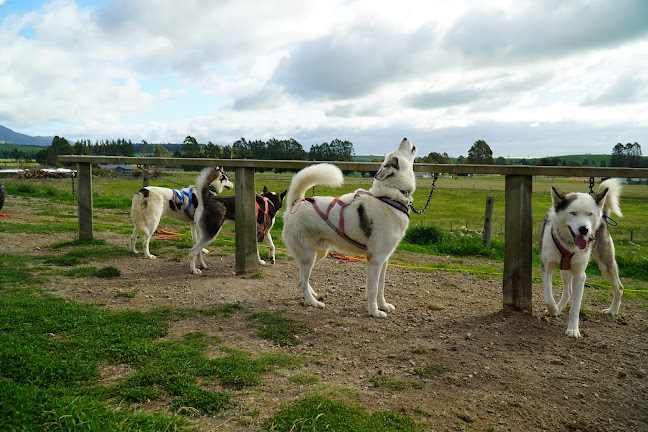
(213, 211)
(152, 203)
(369, 223)
(574, 228)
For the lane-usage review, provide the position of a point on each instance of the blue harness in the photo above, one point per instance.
(181, 194)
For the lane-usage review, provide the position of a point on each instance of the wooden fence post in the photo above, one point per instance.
(84, 186)
(145, 175)
(246, 229)
(518, 239)
(488, 221)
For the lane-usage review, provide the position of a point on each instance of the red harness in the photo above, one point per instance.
(565, 261)
(262, 226)
(340, 228)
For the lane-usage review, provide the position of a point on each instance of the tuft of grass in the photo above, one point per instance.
(303, 379)
(318, 413)
(275, 326)
(223, 311)
(430, 370)
(64, 261)
(108, 272)
(239, 369)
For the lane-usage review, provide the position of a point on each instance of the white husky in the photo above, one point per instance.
(151, 203)
(371, 222)
(574, 228)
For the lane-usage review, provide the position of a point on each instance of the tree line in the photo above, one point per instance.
(628, 155)
(273, 149)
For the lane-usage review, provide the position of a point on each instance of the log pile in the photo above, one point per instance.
(44, 174)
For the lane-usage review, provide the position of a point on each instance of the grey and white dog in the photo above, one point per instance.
(573, 229)
(369, 223)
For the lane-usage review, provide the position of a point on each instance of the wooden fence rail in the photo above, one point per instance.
(518, 223)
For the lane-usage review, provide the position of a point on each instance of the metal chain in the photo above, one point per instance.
(591, 186)
(73, 190)
(419, 212)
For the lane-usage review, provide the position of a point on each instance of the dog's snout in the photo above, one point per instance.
(583, 230)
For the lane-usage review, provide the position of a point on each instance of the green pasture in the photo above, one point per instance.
(457, 202)
(457, 209)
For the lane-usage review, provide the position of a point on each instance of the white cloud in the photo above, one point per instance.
(368, 71)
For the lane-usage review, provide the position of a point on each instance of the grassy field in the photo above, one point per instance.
(457, 202)
(457, 206)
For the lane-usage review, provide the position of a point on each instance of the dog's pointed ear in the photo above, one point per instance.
(388, 168)
(557, 197)
(282, 195)
(265, 190)
(600, 196)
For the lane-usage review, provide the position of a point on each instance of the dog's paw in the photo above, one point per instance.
(315, 303)
(387, 307)
(378, 314)
(151, 256)
(611, 311)
(262, 262)
(272, 261)
(574, 333)
(552, 310)
(196, 271)
(205, 251)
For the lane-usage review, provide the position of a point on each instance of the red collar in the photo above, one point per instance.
(565, 262)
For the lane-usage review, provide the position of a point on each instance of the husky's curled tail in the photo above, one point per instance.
(321, 174)
(612, 198)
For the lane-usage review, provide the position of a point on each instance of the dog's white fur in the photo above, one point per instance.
(146, 211)
(213, 212)
(367, 220)
(575, 218)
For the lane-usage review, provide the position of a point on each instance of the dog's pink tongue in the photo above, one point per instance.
(581, 241)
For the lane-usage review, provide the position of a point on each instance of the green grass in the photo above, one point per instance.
(50, 351)
(278, 328)
(430, 370)
(318, 413)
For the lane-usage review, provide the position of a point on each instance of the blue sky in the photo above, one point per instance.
(530, 78)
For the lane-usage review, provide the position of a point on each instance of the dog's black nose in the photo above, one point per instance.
(583, 230)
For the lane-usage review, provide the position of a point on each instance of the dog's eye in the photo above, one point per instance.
(590, 214)
(572, 213)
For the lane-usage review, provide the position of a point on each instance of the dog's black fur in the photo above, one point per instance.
(214, 211)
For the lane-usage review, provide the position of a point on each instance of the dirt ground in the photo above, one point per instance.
(507, 371)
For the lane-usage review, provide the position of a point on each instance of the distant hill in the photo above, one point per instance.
(7, 136)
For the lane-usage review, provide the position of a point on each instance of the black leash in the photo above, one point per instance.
(419, 212)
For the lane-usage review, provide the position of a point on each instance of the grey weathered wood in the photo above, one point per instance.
(84, 188)
(488, 221)
(145, 176)
(246, 230)
(518, 239)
